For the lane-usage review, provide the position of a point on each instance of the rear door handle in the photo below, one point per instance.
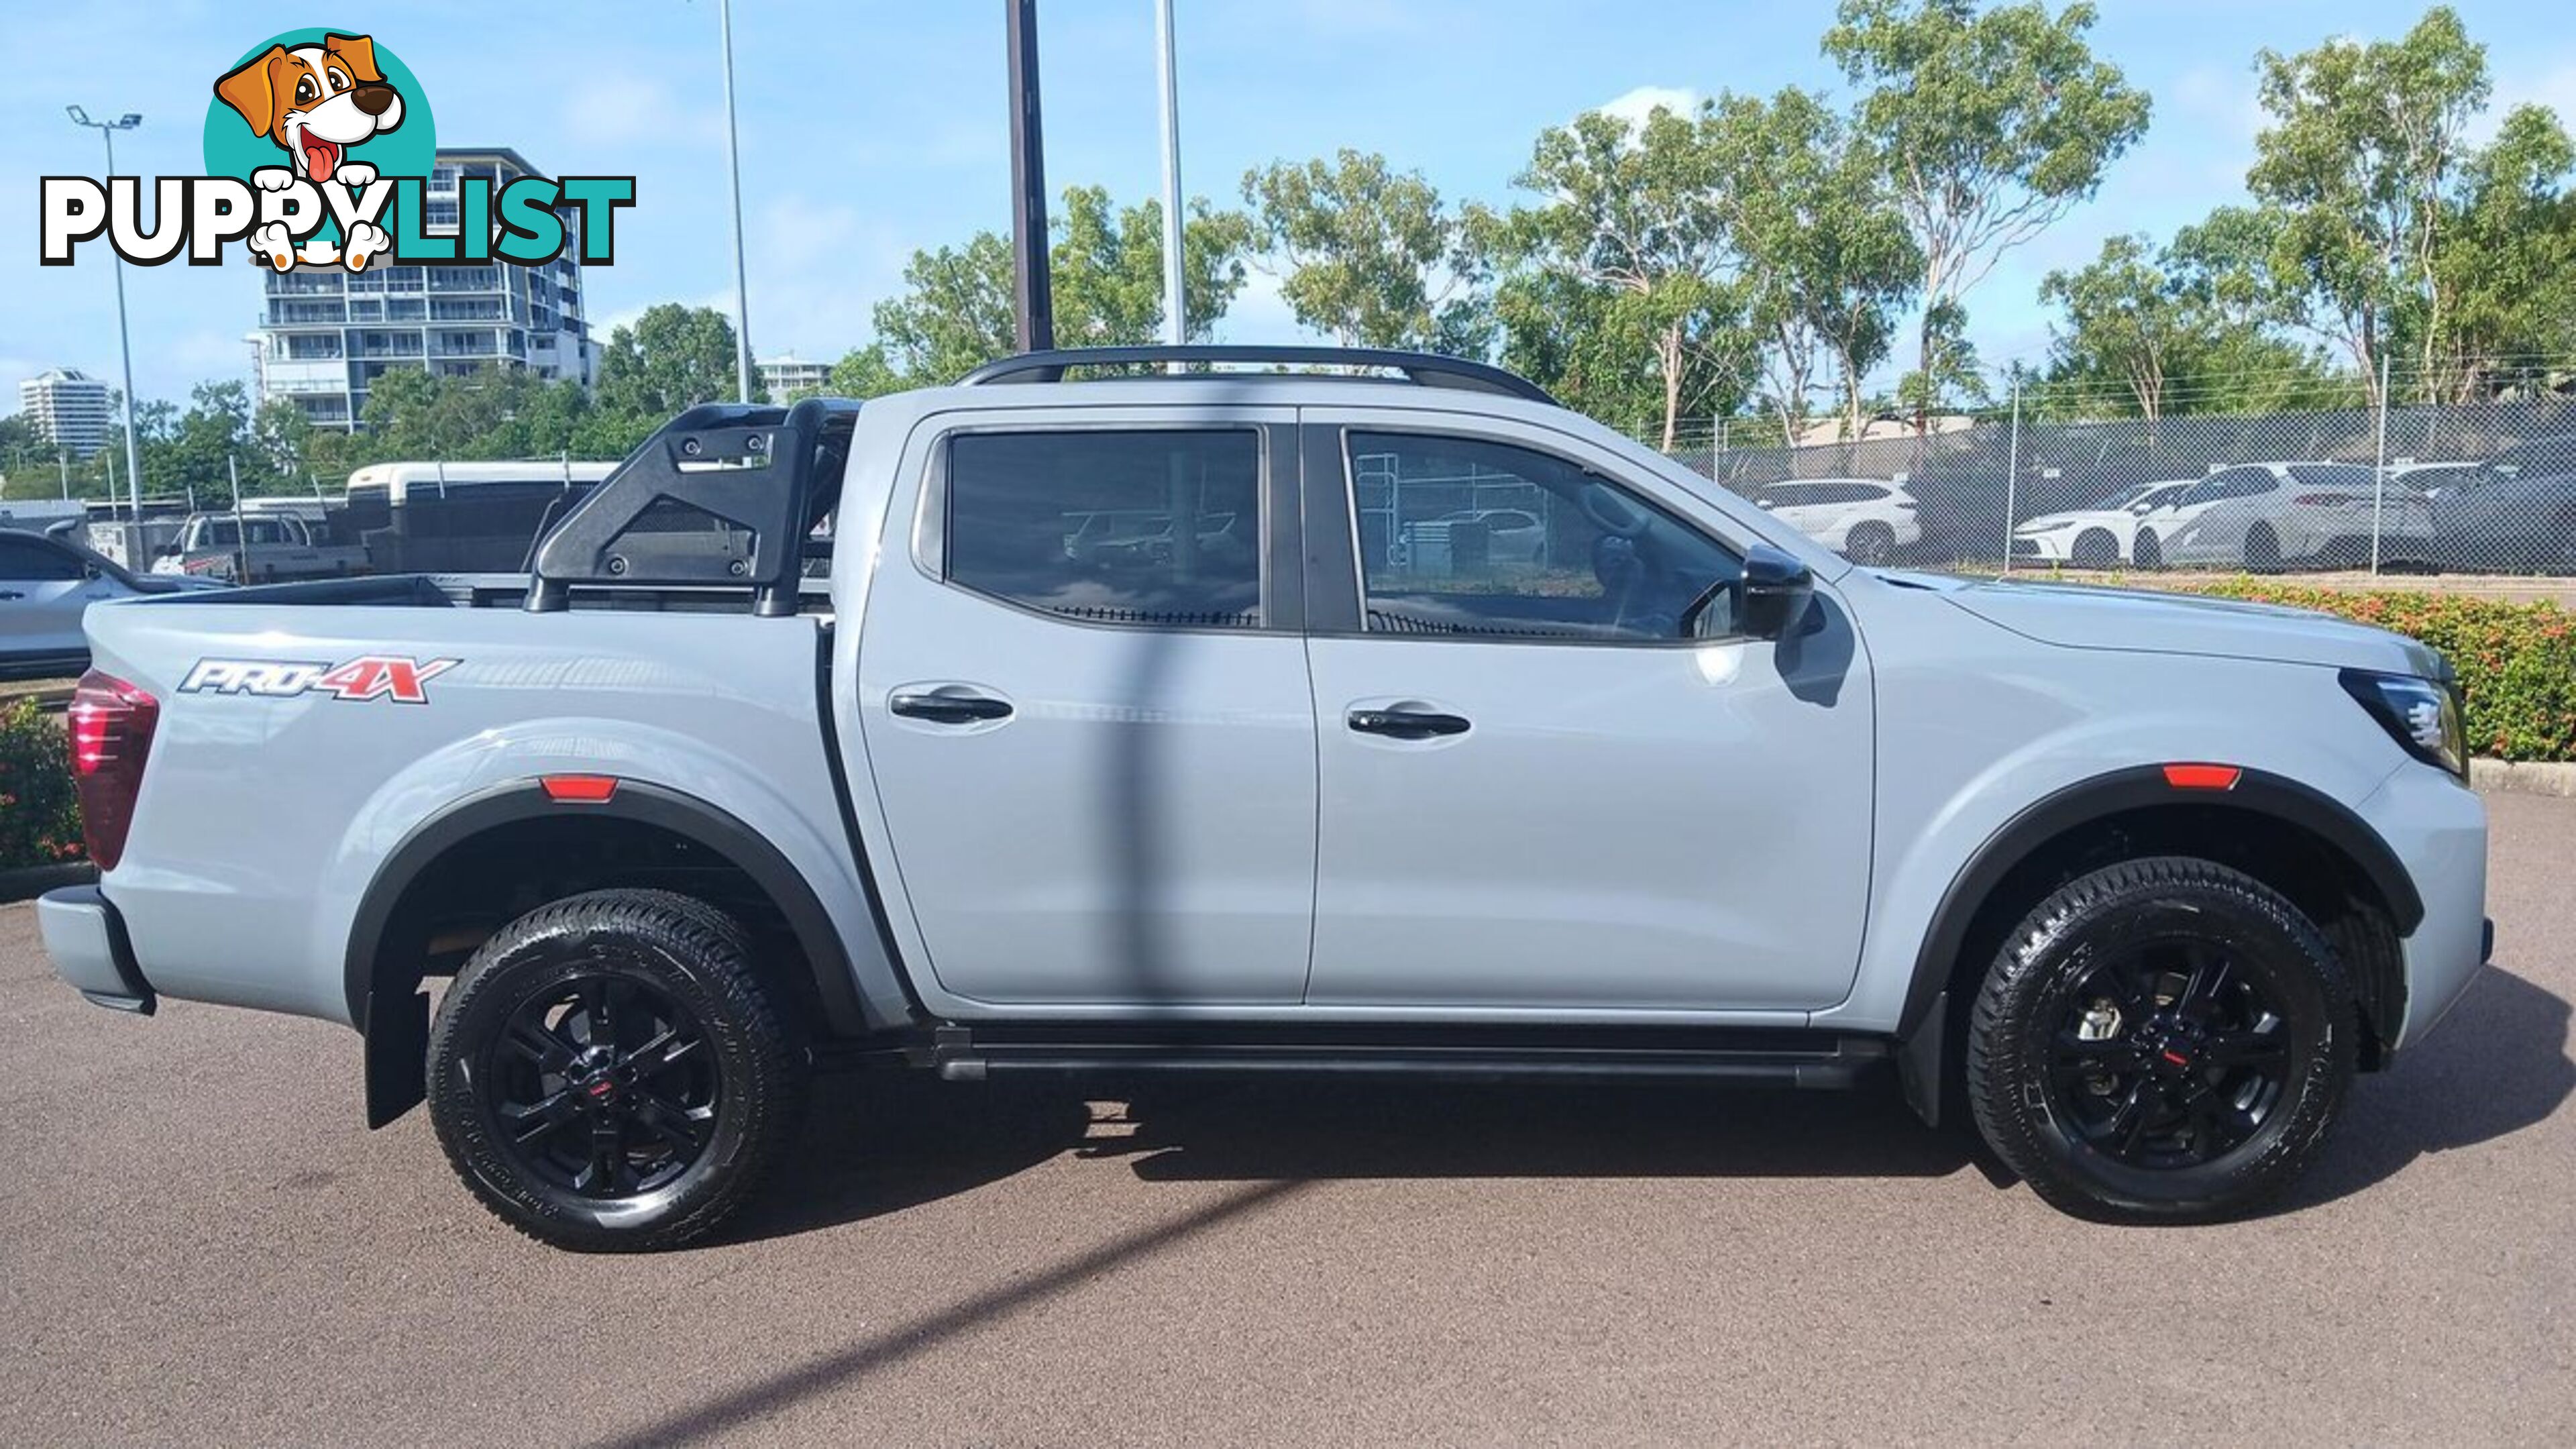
(949, 708)
(11, 594)
(1405, 724)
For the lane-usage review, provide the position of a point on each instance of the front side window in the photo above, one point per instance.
(26, 560)
(1157, 528)
(1600, 562)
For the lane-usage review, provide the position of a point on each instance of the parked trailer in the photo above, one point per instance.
(458, 517)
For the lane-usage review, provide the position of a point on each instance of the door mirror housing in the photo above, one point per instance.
(1775, 591)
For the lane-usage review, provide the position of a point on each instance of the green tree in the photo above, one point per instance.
(1369, 254)
(1824, 248)
(865, 372)
(2508, 266)
(669, 360)
(1633, 211)
(1992, 124)
(2128, 319)
(1951, 377)
(2364, 142)
(956, 311)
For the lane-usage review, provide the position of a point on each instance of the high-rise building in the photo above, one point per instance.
(791, 375)
(68, 408)
(328, 334)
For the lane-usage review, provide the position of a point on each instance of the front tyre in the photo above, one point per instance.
(2163, 1040)
(609, 1073)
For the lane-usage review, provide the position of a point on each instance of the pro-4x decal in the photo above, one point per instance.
(369, 676)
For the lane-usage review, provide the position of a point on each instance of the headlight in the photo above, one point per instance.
(2423, 715)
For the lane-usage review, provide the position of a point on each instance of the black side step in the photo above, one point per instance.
(1783, 1058)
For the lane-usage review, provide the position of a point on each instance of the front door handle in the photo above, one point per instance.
(11, 594)
(950, 708)
(1405, 724)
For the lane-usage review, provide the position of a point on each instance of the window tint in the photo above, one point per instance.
(2333, 475)
(2541, 457)
(27, 560)
(1608, 564)
(2234, 483)
(1153, 528)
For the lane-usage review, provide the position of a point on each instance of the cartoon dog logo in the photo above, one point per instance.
(316, 102)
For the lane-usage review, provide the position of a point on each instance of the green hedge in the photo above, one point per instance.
(2516, 662)
(39, 817)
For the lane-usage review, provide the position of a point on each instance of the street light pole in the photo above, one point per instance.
(124, 343)
(733, 177)
(1032, 292)
(1176, 324)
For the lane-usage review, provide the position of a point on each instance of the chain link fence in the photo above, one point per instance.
(2483, 487)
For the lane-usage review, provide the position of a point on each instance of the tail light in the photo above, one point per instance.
(1905, 503)
(111, 735)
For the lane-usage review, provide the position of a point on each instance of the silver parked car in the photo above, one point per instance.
(46, 585)
(2135, 882)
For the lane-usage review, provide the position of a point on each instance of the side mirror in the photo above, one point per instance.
(1775, 591)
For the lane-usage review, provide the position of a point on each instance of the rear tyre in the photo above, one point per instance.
(609, 1073)
(2262, 550)
(2148, 553)
(1870, 543)
(2094, 549)
(2161, 1041)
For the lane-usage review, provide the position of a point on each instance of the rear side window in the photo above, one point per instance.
(1151, 528)
(2332, 475)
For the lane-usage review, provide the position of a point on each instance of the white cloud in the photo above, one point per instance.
(1637, 106)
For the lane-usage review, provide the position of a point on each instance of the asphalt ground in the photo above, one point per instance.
(199, 1243)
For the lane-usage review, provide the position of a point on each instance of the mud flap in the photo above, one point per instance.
(397, 1057)
(1919, 1062)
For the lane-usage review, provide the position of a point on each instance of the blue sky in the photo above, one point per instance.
(870, 129)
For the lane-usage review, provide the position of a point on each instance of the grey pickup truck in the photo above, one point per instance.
(1137, 724)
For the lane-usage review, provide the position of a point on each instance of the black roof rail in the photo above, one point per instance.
(1425, 369)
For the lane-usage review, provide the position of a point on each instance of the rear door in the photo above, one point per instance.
(2215, 514)
(1083, 692)
(1538, 794)
(43, 592)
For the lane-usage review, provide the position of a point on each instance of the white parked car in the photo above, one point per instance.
(2261, 516)
(2100, 534)
(1866, 520)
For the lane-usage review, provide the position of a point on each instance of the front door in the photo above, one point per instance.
(1086, 714)
(43, 592)
(1539, 792)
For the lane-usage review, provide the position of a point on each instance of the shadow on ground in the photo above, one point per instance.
(879, 1143)
(2496, 1065)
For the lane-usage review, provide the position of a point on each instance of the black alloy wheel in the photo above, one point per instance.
(609, 1072)
(2166, 1055)
(602, 1086)
(2161, 1040)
